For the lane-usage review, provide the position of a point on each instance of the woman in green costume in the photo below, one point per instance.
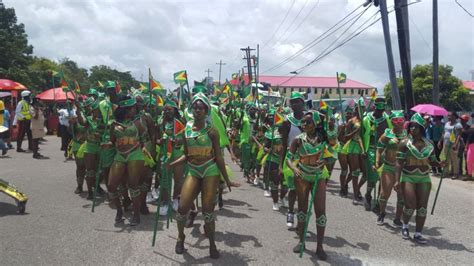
(126, 135)
(170, 113)
(355, 149)
(204, 158)
(308, 149)
(414, 160)
(79, 137)
(342, 155)
(92, 143)
(387, 148)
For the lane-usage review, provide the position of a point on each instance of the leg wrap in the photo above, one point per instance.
(321, 220)
(343, 172)
(90, 173)
(400, 203)
(421, 212)
(208, 217)
(382, 201)
(180, 218)
(301, 217)
(355, 173)
(134, 192)
(273, 186)
(408, 211)
(114, 195)
(144, 187)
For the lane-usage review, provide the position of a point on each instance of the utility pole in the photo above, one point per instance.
(208, 75)
(472, 74)
(249, 62)
(435, 54)
(220, 69)
(401, 14)
(396, 104)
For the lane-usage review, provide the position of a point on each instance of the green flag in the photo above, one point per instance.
(342, 78)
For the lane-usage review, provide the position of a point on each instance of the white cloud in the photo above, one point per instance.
(173, 35)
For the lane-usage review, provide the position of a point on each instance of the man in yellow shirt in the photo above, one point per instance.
(23, 120)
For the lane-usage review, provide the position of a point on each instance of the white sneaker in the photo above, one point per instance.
(255, 181)
(150, 198)
(164, 210)
(175, 204)
(155, 193)
(276, 206)
(267, 193)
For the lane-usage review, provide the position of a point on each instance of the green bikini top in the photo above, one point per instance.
(307, 148)
(199, 142)
(126, 134)
(293, 120)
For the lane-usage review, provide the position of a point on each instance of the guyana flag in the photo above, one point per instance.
(235, 75)
(54, 73)
(180, 77)
(142, 86)
(278, 119)
(323, 105)
(155, 85)
(341, 78)
(100, 84)
(373, 95)
(77, 88)
(63, 83)
(226, 88)
(178, 127)
(159, 101)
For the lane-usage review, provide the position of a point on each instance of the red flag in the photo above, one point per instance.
(64, 83)
(178, 127)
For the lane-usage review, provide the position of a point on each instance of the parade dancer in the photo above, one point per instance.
(79, 137)
(354, 149)
(126, 134)
(342, 155)
(308, 148)
(374, 125)
(92, 143)
(170, 114)
(414, 160)
(290, 129)
(387, 148)
(204, 158)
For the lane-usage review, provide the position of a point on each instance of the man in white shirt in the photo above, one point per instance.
(64, 116)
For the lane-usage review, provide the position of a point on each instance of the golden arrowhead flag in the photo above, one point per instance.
(178, 127)
(63, 83)
(142, 86)
(373, 95)
(77, 88)
(159, 100)
(278, 119)
(100, 84)
(323, 105)
(155, 85)
(180, 77)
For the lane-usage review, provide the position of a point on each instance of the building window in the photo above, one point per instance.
(284, 90)
(352, 91)
(315, 90)
(330, 91)
(322, 91)
(345, 91)
(362, 93)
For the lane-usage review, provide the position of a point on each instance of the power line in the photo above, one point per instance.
(279, 26)
(302, 21)
(292, 22)
(465, 10)
(318, 39)
(420, 33)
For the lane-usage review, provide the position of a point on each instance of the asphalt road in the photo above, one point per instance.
(59, 228)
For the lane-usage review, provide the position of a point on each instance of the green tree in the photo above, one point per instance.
(72, 72)
(14, 49)
(103, 73)
(453, 95)
(40, 73)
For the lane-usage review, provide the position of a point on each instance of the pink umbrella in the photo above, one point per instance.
(430, 109)
(10, 85)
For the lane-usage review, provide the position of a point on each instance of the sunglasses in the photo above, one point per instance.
(398, 120)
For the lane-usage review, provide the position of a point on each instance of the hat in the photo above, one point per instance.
(396, 114)
(128, 102)
(199, 89)
(90, 102)
(92, 91)
(296, 95)
(417, 118)
(25, 93)
(201, 97)
(465, 117)
(109, 84)
(316, 117)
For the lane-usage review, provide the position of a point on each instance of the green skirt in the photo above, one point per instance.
(135, 155)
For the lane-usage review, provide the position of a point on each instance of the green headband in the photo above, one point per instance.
(128, 102)
(380, 105)
(171, 103)
(396, 114)
(93, 92)
(417, 118)
(201, 97)
(316, 117)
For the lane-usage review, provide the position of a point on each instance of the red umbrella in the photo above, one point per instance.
(10, 85)
(430, 109)
(55, 94)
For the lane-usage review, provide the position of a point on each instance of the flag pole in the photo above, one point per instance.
(149, 85)
(442, 177)
(340, 97)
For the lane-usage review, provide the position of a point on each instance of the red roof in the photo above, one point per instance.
(307, 82)
(468, 84)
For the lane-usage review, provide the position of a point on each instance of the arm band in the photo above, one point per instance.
(380, 145)
(401, 155)
(291, 156)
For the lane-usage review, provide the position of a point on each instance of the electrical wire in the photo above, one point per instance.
(465, 10)
(302, 21)
(292, 22)
(279, 26)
